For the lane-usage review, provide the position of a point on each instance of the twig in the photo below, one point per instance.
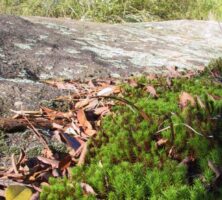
(186, 125)
(141, 112)
(164, 129)
(26, 112)
(37, 133)
(14, 164)
(210, 136)
(83, 155)
(172, 131)
(214, 169)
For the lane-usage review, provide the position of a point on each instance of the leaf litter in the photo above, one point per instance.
(72, 128)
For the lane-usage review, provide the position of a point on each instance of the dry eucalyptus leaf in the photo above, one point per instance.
(185, 99)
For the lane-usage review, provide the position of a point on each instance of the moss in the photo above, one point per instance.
(124, 160)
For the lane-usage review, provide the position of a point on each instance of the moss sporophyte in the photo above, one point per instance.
(171, 155)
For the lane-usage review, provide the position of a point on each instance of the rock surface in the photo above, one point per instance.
(37, 48)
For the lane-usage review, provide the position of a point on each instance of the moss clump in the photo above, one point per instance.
(126, 160)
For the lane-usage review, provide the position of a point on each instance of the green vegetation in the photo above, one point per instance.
(116, 10)
(168, 156)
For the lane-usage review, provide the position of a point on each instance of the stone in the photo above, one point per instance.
(24, 95)
(33, 49)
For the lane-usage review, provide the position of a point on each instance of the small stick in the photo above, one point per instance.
(214, 169)
(31, 127)
(141, 112)
(83, 155)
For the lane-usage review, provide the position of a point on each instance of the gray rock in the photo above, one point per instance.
(37, 48)
(24, 95)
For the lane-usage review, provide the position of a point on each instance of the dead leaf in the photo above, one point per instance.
(82, 103)
(65, 163)
(101, 110)
(106, 91)
(161, 142)
(87, 189)
(53, 163)
(14, 164)
(21, 158)
(185, 99)
(53, 114)
(90, 132)
(83, 120)
(151, 90)
(62, 85)
(57, 126)
(173, 72)
(133, 82)
(201, 104)
(93, 103)
(83, 155)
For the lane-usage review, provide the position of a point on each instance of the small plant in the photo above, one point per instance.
(168, 156)
(116, 10)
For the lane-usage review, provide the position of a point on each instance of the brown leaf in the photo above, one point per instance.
(21, 158)
(82, 103)
(201, 104)
(151, 90)
(90, 132)
(65, 163)
(185, 99)
(82, 119)
(87, 189)
(93, 103)
(173, 72)
(83, 155)
(14, 164)
(62, 85)
(53, 114)
(101, 110)
(57, 126)
(107, 91)
(132, 82)
(161, 142)
(53, 163)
